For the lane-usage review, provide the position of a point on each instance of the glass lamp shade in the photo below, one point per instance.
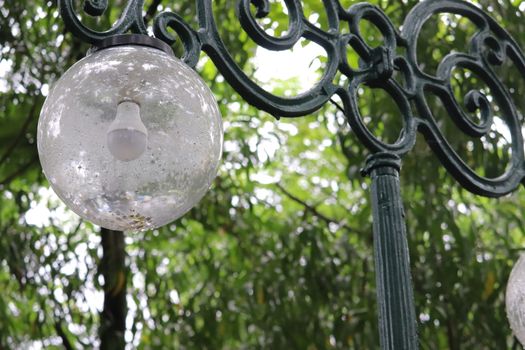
(515, 299)
(130, 138)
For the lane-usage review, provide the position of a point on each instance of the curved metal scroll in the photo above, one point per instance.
(491, 46)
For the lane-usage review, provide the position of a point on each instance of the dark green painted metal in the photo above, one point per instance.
(395, 300)
(133, 39)
(491, 46)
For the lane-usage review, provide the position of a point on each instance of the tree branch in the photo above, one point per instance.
(315, 211)
(20, 135)
(338, 106)
(152, 9)
(62, 334)
(18, 172)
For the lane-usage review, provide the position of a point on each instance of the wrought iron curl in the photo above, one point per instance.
(130, 20)
(490, 46)
(95, 7)
(249, 24)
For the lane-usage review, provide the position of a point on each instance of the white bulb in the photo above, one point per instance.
(127, 137)
(515, 300)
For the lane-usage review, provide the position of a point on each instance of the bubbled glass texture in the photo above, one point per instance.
(515, 300)
(184, 138)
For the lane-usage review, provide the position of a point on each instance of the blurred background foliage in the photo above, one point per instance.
(279, 253)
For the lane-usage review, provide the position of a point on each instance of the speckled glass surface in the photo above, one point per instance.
(184, 143)
(515, 299)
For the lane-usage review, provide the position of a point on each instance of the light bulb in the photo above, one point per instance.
(515, 299)
(97, 154)
(127, 137)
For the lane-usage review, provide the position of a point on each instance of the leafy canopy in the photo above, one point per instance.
(279, 253)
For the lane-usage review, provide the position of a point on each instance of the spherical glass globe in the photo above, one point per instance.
(130, 138)
(515, 300)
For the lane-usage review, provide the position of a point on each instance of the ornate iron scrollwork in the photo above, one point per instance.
(489, 47)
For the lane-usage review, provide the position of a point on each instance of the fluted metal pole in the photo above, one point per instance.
(395, 298)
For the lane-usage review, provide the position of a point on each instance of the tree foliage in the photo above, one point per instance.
(279, 254)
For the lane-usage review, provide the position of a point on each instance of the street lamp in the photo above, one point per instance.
(490, 47)
(130, 137)
(515, 299)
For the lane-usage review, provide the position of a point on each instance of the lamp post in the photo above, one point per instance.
(490, 47)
